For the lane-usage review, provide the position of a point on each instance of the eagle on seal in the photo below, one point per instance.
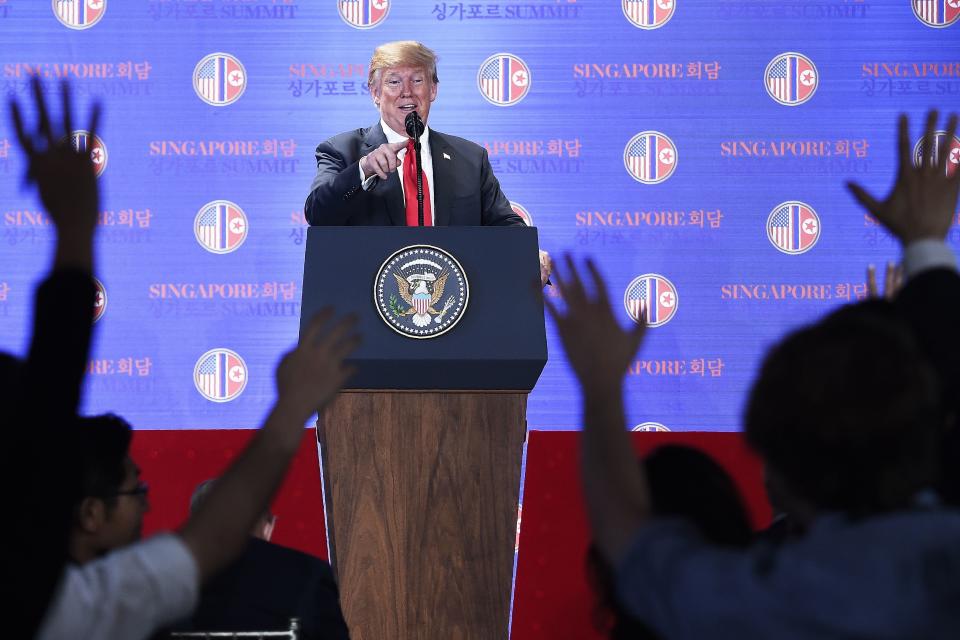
(415, 292)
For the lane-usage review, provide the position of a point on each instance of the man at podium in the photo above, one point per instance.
(368, 176)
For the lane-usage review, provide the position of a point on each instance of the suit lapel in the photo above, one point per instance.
(389, 193)
(443, 173)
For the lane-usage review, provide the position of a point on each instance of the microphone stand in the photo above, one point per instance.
(414, 127)
(416, 148)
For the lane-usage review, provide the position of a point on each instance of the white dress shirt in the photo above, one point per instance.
(126, 595)
(920, 255)
(426, 161)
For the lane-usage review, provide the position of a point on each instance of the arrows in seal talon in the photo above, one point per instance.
(446, 307)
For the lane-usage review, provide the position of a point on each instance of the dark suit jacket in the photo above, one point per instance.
(39, 397)
(465, 190)
(267, 586)
(931, 304)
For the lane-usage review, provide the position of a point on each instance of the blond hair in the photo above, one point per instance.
(401, 53)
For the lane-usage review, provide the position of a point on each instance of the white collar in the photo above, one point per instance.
(393, 136)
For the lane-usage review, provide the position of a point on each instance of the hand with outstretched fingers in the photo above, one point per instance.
(598, 348)
(923, 200)
(66, 178)
(311, 374)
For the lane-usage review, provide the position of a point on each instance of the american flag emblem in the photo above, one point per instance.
(219, 79)
(791, 79)
(363, 14)
(653, 295)
(220, 226)
(421, 302)
(521, 211)
(503, 79)
(99, 300)
(82, 142)
(648, 14)
(936, 13)
(793, 227)
(650, 426)
(940, 145)
(79, 14)
(650, 157)
(220, 375)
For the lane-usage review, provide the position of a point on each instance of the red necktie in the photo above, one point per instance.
(410, 190)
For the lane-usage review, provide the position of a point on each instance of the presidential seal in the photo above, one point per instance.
(421, 291)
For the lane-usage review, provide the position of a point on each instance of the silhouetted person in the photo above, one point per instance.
(267, 586)
(41, 393)
(919, 212)
(684, 483)
(848, 417)
(136, 589)
(113, 498)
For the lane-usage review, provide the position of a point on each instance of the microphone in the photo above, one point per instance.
(414, 127)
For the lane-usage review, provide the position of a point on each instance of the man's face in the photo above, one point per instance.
(401, 90)
(124, 521)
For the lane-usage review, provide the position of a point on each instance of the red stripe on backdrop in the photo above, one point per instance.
(552, 598)
(175, 462)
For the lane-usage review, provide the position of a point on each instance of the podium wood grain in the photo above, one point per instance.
(421, 494)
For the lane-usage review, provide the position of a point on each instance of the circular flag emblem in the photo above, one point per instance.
(941, 145)
(219, 79)
(503, 79)
(521, 211)
(652, 294)
(220, 375)
(650, 426)
(79, 14)
(99, 300)
(82, 142)
(650, 157)
(648, 14)
(220, 226)
(936, 13)
(363, 14)
(791, 79)
(421, 291)
(793, 227)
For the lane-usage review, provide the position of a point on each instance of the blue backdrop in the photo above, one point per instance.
(697, 149)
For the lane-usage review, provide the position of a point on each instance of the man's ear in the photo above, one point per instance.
(91, 514)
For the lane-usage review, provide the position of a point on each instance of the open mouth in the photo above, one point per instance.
(407, 108)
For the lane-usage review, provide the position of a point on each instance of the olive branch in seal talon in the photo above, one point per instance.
(395, 308)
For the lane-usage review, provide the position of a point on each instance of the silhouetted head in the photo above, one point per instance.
(846, 412)
(113, 500)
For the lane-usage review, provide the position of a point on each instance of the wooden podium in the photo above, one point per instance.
(421, 456)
